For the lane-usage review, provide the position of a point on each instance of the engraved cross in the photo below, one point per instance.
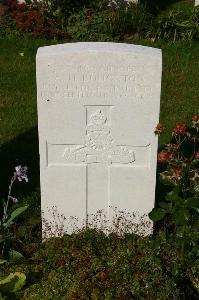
(100, 151)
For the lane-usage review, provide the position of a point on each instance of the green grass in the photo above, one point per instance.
(179, 99)
(18, 87)
(18, 111)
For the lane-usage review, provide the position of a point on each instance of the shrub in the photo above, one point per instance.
(89, 25)
(99, 20)
(31, 18)
(157, 6)
(176, 24)
(135, 22)
(131, 19)
(179, 171)
(109, 24)
(68, 7)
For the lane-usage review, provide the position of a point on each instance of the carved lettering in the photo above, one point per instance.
(107, 82)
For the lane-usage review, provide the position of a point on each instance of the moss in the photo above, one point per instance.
(92, 265)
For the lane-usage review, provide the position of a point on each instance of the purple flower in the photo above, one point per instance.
(20, 173)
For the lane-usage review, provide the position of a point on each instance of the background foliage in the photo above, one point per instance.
(95, 20)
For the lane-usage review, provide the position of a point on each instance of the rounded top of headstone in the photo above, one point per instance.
(60, 49)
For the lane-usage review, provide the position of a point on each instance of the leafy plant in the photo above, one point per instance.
(7, 218)
(175, 24)
(131, 19)
(33, 18)
(180, 171)
(90, 25)
(158, 6)
(11, 283)
(61, 10)
(98, 20)
(109, 24)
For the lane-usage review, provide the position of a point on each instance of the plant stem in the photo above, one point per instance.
(9, 195)
(6, 209)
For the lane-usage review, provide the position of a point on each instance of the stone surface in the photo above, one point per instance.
(196, 2)
(98, 105)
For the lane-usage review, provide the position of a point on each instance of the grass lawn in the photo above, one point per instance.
(18, 111)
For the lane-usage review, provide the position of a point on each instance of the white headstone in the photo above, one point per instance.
(196, 2)
(98, 105)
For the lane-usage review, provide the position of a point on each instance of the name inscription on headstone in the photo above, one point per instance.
(79, 82)
(119, 82)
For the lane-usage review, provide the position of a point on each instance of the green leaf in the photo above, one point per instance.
(157, 214)
(192, 202)
(173, 196)
(181, 217)
(166, 206)
(13, 282)
(15, 214)
(2, 261)
(195, 250)
(14, 255)
(1, 297)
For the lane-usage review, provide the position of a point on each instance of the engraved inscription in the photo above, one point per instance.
(117, 82)
(106, 78)
(99, 146)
